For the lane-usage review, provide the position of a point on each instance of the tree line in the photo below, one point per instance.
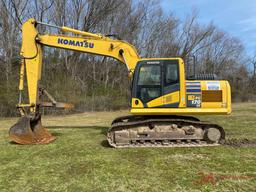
(100, 83)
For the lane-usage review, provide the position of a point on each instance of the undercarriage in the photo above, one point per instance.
(163, 131)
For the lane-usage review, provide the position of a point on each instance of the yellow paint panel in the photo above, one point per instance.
(172, 98)
(29, 34)
(181, 111)
(156, 102)
(182, 83)
(211, 105)
(164, 100)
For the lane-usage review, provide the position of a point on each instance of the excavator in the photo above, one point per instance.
(163, 100)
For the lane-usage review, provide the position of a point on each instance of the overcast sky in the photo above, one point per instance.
(237, 17)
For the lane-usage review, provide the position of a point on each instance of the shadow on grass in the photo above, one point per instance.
(56, 134)
(103, 129)
(105, 144)
(13, 143)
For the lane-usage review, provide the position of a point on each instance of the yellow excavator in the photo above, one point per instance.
(162, 103)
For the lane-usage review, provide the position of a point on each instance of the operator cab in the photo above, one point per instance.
(154, 79)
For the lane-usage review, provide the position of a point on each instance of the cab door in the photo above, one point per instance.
(171, 83)
(147, 85)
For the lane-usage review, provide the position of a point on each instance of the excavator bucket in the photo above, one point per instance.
(28, 131)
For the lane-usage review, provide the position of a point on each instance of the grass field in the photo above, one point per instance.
(80, 159)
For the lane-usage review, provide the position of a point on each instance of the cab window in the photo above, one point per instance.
(149, 82)
(149, 75)
(171, 74)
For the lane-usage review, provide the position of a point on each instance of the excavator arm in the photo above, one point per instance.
(29, 128)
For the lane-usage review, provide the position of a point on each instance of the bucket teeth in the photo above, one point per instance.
(27, 131)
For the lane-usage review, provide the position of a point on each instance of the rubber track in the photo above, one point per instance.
(128, 125)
